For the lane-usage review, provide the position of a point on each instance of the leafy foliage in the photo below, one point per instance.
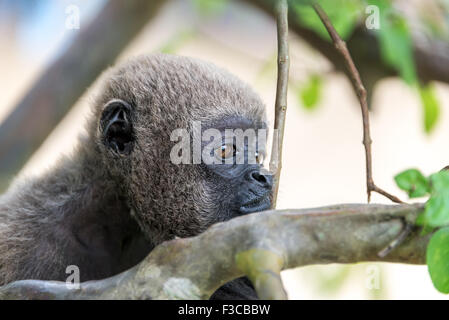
(413, 182)
(343, 14)
(431, 106)
(393, 35)
(310, 93)
(437, 208)
(395, 41)
(435, 215)
(437, 258)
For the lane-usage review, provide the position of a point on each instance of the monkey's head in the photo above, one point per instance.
(161, 131)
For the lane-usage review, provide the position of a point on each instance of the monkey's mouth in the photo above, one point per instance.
(256, 205)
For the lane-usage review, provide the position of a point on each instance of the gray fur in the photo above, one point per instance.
(52, 221)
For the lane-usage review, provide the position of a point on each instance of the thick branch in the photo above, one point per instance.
(193, 268)
(93, 50)
(281, 95)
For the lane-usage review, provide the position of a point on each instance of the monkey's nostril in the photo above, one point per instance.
(258, 177)
(262, 179)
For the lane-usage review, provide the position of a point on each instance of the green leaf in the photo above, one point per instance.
(395, 41)
(413, 182)
(436, 213)
(421, 221)
(396, 46)
(431, 106)
(440, 182)
(310, 93)
(437, 257)
(344, 15)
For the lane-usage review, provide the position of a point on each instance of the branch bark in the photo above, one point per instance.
(281, 95)
(259, 245)
(93, 50)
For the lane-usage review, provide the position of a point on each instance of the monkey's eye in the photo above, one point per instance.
(225, 151)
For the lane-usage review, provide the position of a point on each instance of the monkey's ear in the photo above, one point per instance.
(116, 127)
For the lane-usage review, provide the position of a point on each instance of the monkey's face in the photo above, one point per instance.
(186, 141)
(233, 150)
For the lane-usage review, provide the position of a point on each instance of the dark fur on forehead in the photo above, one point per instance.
(177, 89)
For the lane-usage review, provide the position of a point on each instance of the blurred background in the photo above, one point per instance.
(51, 53)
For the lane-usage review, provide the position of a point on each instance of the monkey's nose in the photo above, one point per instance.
(261, 178)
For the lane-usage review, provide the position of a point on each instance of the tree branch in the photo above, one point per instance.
(256, 244)
(93, 50)
(341, 47)
(431, 55)
(281, 95)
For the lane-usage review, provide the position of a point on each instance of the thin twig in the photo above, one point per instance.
(397, 241)
(281, 95)
(341, 47)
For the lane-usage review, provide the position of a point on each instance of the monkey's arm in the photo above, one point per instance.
(238, 289)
